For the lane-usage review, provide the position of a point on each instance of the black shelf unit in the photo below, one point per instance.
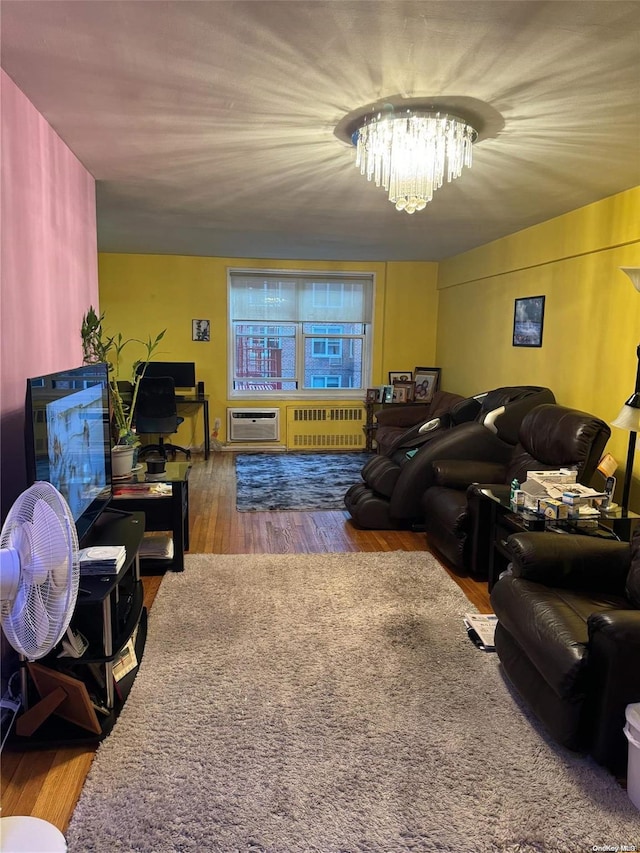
(109, 609)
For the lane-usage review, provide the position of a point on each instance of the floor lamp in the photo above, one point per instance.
(629, 417)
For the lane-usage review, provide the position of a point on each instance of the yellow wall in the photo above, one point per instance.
(457, 315)
(142, 294)
(592, 312)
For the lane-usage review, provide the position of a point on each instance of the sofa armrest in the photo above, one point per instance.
(614, 651)
(573, 561)
(461, 473)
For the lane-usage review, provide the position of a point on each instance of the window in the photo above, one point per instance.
(299, 333)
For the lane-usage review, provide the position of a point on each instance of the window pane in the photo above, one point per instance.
(333, 363)
(265, 355)
(333, 328)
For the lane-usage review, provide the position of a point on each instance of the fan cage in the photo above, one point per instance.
(40, 527)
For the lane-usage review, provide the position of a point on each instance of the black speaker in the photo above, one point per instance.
(200, 389)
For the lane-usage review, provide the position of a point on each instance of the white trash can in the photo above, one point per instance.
(632, 731)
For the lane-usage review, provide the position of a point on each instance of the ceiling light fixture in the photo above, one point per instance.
(409, 152)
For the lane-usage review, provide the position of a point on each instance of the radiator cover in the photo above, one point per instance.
(325, 427)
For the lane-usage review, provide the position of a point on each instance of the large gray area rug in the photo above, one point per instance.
(332, 703)
(296, 481)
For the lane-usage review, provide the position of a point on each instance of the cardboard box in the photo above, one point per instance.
(518, 500)
(557, 477)
(572, 498)
(553, 509)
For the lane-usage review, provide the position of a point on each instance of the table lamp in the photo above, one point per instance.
(629, 417)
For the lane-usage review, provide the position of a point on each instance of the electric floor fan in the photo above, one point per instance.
(39, 577)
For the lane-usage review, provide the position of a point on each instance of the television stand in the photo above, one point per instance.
(110, 614)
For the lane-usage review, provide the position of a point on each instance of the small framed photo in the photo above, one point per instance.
(400, 376)
(528, 319)
(404, 392)
(387, 396)
(373, 395)
(427, 381)
(200, 330)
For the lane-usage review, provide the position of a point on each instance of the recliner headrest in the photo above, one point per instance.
(515, 402)
(559, 437)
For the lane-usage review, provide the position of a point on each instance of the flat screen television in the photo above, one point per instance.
(68, 440)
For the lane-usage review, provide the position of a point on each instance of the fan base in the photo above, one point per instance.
(30, 835)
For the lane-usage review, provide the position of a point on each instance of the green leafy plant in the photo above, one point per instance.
(97, 346)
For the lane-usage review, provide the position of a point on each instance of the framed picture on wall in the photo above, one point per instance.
(528, 319)
(200, 330)
(427, 381)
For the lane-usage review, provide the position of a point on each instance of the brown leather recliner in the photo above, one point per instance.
(400, 421)
(568, 636)
(389, 495)
(456, 520)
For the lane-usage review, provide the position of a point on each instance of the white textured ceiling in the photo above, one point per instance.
(209, 126)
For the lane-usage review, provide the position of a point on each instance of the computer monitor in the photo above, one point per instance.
(183, 373)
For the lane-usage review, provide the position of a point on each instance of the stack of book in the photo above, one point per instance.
(102, 559)
(156, 546)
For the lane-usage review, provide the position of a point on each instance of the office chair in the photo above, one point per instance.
(156, 413)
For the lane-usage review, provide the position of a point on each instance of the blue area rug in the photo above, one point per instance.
(295, 481)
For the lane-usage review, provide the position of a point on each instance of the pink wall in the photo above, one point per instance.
(48, 266)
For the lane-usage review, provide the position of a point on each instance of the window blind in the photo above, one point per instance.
(272, 297)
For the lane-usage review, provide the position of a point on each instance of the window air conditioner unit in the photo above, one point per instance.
(253, 424)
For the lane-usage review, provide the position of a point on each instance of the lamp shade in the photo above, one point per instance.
(629, 417)
(634, 275)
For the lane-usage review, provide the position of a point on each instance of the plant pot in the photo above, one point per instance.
(121, 460)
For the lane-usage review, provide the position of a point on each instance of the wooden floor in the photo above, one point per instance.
(47, 783)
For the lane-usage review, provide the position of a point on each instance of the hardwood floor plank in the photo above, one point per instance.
(57, 799)
(47, 783)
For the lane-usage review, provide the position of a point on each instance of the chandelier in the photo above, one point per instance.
(409, 152)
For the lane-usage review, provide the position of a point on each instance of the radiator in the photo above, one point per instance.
(325, 427)
(253, 424)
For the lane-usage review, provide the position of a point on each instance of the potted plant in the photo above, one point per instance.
(100, 347)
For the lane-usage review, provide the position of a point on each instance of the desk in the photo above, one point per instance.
(182, 400)
(198, 400)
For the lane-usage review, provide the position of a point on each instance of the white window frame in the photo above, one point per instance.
(300, 392)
